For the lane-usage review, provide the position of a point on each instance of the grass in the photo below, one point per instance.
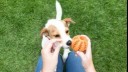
(104, 21)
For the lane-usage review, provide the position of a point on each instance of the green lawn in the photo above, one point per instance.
(104, 21)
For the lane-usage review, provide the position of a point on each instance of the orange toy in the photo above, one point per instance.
(79, 43)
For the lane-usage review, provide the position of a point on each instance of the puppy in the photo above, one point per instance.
(58, 29)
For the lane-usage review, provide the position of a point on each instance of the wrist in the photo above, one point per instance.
(90, 67)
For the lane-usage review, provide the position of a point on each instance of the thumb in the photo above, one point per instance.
(81, 54)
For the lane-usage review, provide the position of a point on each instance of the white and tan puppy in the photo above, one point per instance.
(57, 28)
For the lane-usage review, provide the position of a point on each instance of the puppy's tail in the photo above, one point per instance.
(58, 10)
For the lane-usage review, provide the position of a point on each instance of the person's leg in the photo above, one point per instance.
(59, 65)
(73, 63)
(39, 65)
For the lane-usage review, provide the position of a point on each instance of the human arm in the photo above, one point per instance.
(50, 55)
(87, 61)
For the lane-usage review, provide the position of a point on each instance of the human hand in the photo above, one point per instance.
(87, 58)
(50, 55)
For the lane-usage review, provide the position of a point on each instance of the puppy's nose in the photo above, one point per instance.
(69, 42)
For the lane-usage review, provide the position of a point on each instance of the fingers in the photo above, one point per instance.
(88, 51)
(57, 49)
(89, 41)
(50, 44)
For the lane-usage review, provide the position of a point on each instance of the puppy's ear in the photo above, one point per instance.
(67, 21)
(44, 31)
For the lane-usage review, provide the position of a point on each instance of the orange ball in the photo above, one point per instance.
(79, 43)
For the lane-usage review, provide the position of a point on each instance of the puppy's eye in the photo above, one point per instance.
(67, 31)
(57, 35)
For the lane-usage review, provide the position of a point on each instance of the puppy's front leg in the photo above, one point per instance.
(65, 54)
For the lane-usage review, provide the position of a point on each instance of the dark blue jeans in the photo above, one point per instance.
(73, 64)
